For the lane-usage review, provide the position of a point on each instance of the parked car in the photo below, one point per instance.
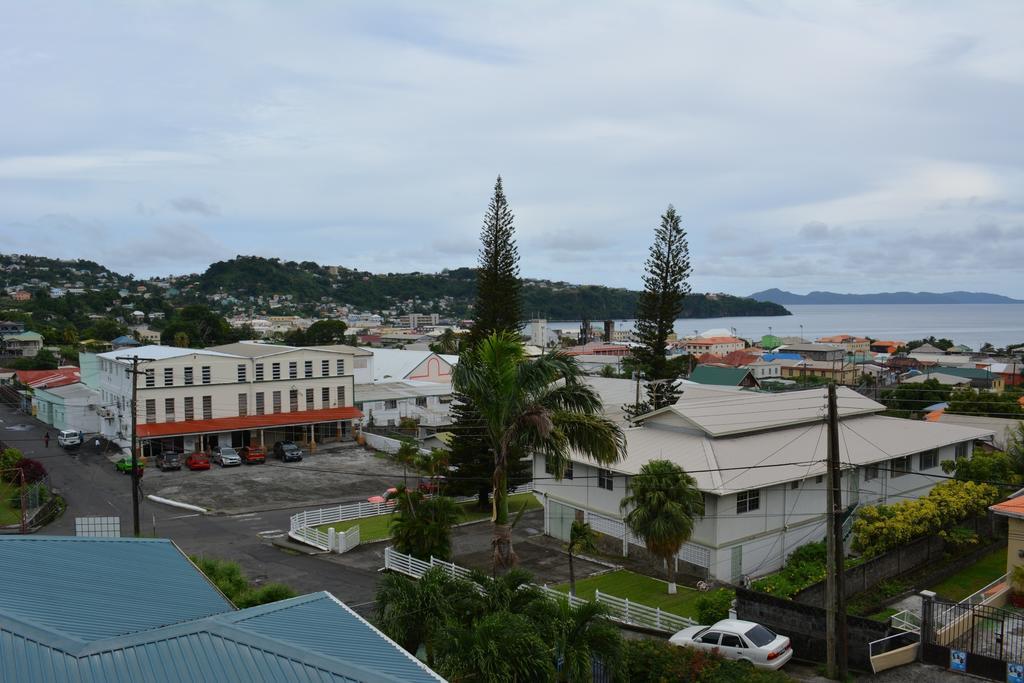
(384, 497)
(736, 639)
(168, 460)
(287, 451)
(124, 465)
(197, 461)
(252, 455)
(226, 456)
(69, 439)
(432, 485)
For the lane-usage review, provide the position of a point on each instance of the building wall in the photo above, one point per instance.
(436, 412)
(76, 413)
(433, 369)
(1014, 544)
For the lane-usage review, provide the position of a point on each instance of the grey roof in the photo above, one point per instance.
(751, 461)
(159, 352)
(403, 388)
(927, 348)
(807, 347)
(84, 612)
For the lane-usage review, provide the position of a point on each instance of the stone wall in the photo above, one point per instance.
(804, 625)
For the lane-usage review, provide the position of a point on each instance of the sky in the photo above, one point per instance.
(845, 146)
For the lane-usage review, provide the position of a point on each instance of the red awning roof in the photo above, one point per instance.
(231, 424)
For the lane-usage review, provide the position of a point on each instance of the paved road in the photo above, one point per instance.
(90, 486)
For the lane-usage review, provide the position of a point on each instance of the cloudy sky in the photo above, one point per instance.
(860, 146)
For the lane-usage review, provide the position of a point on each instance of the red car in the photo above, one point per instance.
(198, 461)
(252, 455)
(383, 498)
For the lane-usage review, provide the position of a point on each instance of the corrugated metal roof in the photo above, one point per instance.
(228, 424)
(403, 388)
(718, 376)
(92, 588)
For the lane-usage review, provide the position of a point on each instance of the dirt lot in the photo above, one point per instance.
(343, 473)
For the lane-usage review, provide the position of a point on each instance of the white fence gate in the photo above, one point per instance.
(621, 610)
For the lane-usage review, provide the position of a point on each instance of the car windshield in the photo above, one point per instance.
(760, 636)
(228, 451)
(290, 447)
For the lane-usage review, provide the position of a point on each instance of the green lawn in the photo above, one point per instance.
(637, 587)
(377, 528)
(8, 515)
(974, 578)
(883, 615)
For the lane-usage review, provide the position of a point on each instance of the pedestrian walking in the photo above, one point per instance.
(46, 439)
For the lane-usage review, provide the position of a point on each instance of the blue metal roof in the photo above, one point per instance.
(87, 610)
(91, 588)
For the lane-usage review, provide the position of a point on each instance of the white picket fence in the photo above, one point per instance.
(622, 610)
(302, 526)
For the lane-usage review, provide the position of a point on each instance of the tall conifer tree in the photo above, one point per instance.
(498, 304)
(666, 284)
(498, 308)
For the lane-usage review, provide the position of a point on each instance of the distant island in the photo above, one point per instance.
(785, 298)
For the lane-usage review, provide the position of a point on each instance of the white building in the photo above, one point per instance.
(237, 394)
(417, 320)
(393, 364)
(765, 369)
(387, 403)
(760, 461)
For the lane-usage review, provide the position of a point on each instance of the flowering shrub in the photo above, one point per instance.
(879, 528)
(32, 470)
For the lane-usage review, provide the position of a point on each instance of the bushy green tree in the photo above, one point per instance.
(422, 527)
(230, 580)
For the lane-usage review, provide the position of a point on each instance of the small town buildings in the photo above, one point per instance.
(716, 345)
(72, 406)
(839, 371)
(723, 376)
(95, 609)
(937, 376)
(759, 459)
(764, 369)
(595, 364)
(125, 341)
(21, 295)
(11, 327)
(980, 378)
(885, 346)
(232, 395)
(389, 403)
(819, 352)
(22, 344)
(415, 321)
(48, 379)
(849, 342)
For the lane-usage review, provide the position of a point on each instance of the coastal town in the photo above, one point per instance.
(511, 342)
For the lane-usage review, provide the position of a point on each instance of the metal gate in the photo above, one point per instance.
(977, 639)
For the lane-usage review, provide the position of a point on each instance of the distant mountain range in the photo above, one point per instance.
(785, 298)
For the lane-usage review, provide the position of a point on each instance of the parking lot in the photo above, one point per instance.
(341, 473)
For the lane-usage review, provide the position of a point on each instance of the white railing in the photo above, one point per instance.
(906, 621)
(629, 612)
(883, 645)
(976, 598)
(346, 540)
(311, 536)
(620, 609)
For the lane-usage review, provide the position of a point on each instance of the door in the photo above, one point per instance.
(732, 647)
(737, 564)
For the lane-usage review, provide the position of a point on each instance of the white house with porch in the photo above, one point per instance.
(760, 461)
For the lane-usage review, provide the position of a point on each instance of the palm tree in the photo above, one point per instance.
(582, 539)
(501, 646)
(663, 501)
(416, 613)
(407, 454)
(540, 405)
(580, 634)
(422, 527)
(448, 342)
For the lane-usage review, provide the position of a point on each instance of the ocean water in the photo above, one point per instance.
(970, 324)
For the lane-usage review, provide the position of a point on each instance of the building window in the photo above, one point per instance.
(871, 472)
(445, 400)
(188, 375)
(168, 410)
(277, 401)
(293, 369)
(243, 405)
(421, 401)
(818, 479)
(900, 466)
(929, 459)
(190, 409)
(207, 407)
(293, 400)
(325, 397)
(325, 368)
(361, 364)
(259, 403)
(747, 501)
(340, 364)
(341, 396)
(549, 467)
(206, 374)
(309, 400)
(150, 377)
(150, 410)
(961, 451)
(307, 368)
(241, 372)
(168, 377)
(259, 372)
(605, 480)
(794, 484)
(275, 371)
(390, 404)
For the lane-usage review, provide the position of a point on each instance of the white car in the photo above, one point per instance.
(69, 439)
(226, 456)
(735, 639)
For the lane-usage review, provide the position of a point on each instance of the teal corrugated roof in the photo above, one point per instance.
(717, 376)
(84, 610)
(91, 588)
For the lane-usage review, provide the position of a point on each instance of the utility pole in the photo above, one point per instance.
(835, 585)
(135, 372)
